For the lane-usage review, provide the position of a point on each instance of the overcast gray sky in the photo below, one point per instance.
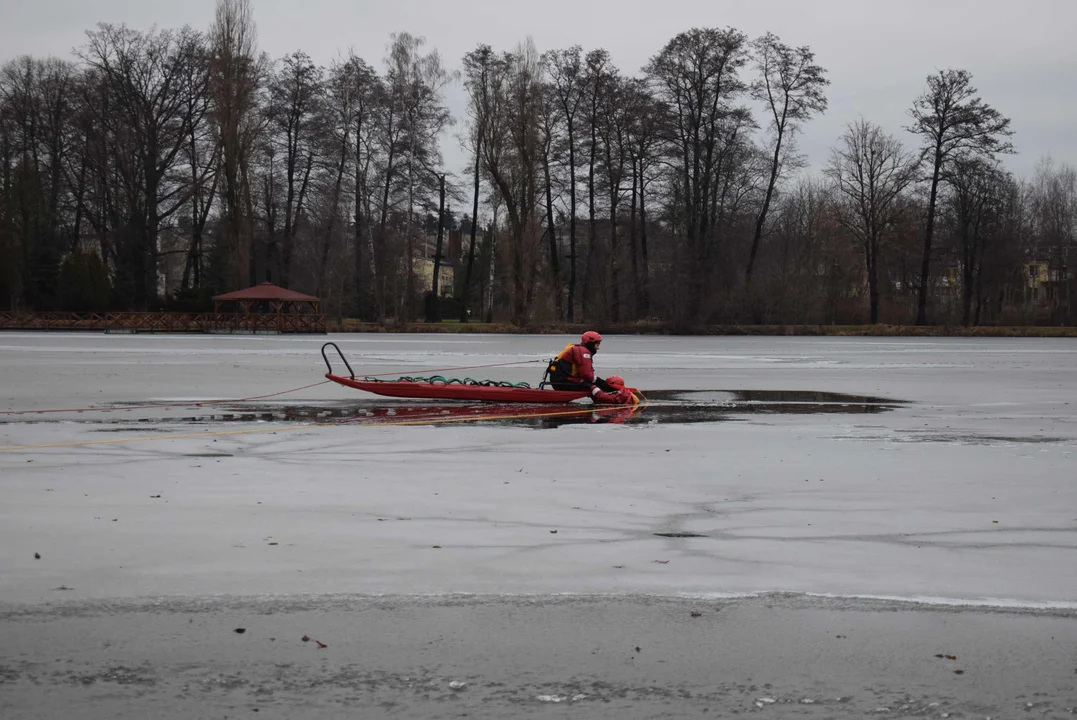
(1022, 53)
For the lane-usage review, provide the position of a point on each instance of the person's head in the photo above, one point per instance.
(616, 382)
(591, 340)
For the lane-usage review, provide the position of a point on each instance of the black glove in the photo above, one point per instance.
(603, 385)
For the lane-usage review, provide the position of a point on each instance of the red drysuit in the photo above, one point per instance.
(576, 360)
(619, 397)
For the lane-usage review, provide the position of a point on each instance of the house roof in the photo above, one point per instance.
(266, 291)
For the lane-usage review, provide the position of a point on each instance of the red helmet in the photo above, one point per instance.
(591, 337)
(616, 381)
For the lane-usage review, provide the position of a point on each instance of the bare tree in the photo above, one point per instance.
(147, 76)
(950, 118)
(203, 161)
(295, 113)
(978, 190)
(791, 86)
(549, 127)
(341, 104)
(646, 132)
(565, 71)
(512, 159)
(696, 75)
(871, 171)
(1053, 210)
(359, 91)
(36, 99)
(161, 137)
(9, 252)
(599, 73)
(416, 85)
(477, 67)
(614, 133)
(389, 133)
(98, 190)
(811, 244)
(236, 76)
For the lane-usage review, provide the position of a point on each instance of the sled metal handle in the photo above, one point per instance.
(546, 375)
(329, 366)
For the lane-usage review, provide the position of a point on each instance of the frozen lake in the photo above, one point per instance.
(793, 492)
(963, 491)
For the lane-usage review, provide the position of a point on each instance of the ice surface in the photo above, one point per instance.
(964, 495)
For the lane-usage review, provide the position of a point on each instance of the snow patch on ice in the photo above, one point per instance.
(1008, 603)
(922, 600)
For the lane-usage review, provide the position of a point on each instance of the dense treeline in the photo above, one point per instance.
(156, 168)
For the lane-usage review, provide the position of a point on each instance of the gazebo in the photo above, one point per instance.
(270, 307)
(267, 297)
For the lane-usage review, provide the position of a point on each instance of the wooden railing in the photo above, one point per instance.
(164, 322)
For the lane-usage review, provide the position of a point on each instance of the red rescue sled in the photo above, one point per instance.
(457, 391)
(476, 392)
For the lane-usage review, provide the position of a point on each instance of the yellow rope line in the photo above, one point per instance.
(400, 423)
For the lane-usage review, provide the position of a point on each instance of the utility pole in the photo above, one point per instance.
(433, 308)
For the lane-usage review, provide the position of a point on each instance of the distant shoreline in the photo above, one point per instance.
(353, 326)
(272, 324)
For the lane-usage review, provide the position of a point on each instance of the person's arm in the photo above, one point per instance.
(612, 397)
(584, 367)
(599, 395)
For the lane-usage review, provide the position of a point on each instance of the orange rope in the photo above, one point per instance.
(200, 403)
(191, 403)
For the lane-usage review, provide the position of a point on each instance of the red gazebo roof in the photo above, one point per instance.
(266, 291)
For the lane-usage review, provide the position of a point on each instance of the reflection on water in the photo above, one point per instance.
(708, 406)
(662, 407)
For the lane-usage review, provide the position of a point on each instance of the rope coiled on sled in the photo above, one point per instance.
(441, 380)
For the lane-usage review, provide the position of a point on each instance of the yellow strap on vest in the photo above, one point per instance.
(561, 354)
